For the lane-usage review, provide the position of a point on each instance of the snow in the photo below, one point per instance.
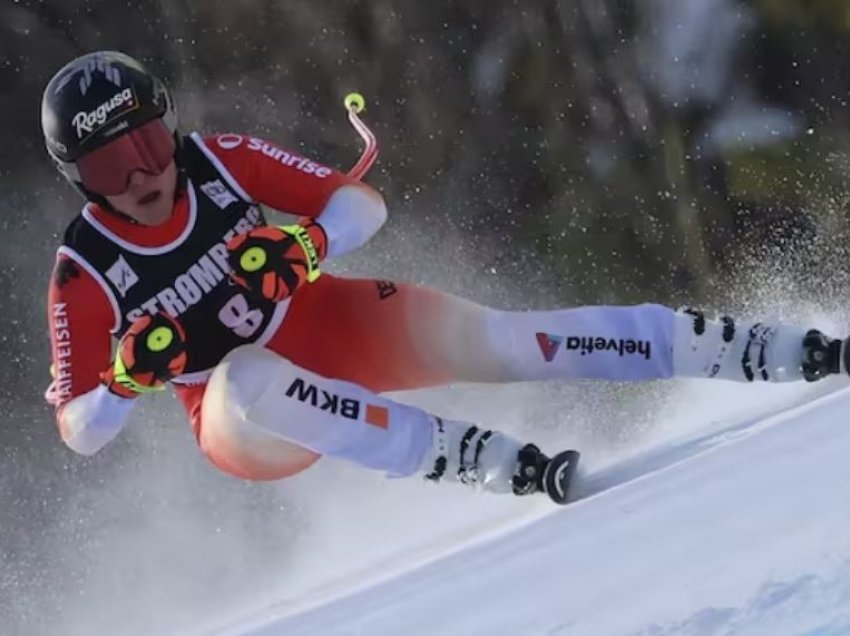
(738, 526)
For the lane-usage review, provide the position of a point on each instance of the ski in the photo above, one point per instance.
(538, 473)
(558, 476)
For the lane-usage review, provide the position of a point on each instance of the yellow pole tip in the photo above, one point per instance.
(355, 101)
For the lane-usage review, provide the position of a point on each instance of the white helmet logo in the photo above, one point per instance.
(109, 72)
(86, 122)
(87, 71)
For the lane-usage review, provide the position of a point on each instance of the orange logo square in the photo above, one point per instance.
(377, 416)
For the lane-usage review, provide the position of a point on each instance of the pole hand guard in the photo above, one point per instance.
(276, 261)
(151, 353)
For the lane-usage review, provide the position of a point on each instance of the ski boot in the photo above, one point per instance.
(495, 462)
(823, 356)
(752, 352)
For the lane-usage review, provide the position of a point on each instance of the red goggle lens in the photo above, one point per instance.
(150, 148)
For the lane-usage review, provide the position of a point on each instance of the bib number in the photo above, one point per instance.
(238, 316)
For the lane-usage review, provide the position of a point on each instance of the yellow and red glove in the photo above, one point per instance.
(276, 261)
(149, 354)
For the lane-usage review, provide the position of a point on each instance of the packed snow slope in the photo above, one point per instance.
(741, 528)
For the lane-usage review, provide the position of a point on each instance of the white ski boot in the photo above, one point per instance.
(720, 348)
(495, 462)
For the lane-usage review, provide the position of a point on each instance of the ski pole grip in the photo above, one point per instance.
(355, 102)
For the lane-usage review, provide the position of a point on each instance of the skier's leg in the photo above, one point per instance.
(651, 341)
(395, 336)
(240, 450)
(257, 404)
(385, 336)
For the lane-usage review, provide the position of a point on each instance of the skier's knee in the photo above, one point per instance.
(228, 437)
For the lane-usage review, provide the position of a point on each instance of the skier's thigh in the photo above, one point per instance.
(228, 436)
(261, 411)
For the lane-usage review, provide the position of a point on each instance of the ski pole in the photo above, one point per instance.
(355, 104)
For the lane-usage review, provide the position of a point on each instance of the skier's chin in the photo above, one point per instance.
(154, 208)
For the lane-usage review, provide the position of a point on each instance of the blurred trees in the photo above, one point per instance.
(583, 126)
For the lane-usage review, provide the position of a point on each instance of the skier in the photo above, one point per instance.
(277, 363)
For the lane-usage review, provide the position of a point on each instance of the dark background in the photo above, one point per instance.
(533, 153)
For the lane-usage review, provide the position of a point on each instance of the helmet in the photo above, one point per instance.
(97, 99)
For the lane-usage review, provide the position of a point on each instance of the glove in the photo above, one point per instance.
(276, 261)
(149, 354)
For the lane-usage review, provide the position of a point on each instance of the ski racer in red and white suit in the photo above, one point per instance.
(311, 330)
(272, 381)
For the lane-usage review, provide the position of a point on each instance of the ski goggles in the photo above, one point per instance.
(107, 170)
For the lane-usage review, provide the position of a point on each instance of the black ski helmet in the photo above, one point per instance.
(94, 99)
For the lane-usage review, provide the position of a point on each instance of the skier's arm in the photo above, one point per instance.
(349, 211)
(80, 316)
